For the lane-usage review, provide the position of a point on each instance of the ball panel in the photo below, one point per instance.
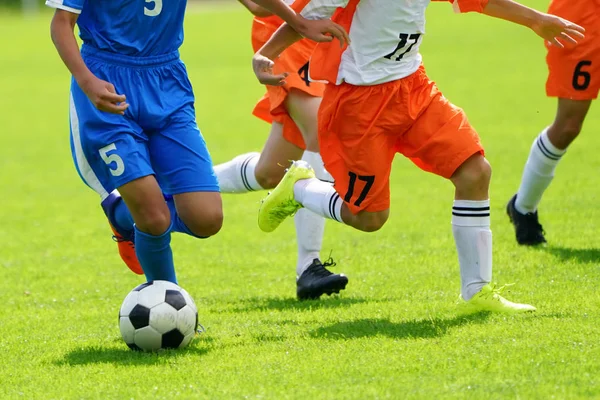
(187, 340)
(172, 339)
(187, 320)
(148, 339)
(127, 329)
(163, 318)
(175, 299)
(188, 299)
(139, 316)
(151, 296)
(128, 304)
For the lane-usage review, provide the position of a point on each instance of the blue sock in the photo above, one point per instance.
(177, 224)
(155, 255)
(122, 216)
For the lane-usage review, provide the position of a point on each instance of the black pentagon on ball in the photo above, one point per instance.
(139, 316)
(142, 286)
(175, 299)
(172, 339)
(134, 347)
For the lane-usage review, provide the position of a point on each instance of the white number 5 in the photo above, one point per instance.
(153, 12)
(112, 158)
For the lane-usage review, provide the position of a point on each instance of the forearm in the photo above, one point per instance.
(61, 30)
(512, 11)
(255, 9)
(283, 11)
(283, 38)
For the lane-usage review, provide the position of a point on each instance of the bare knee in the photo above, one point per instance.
(202, 213)
(152, 219)
(369, 221)
(268, 176)
(472, 178)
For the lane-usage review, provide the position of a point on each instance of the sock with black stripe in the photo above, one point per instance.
(319, 197)
(538, 173)
(237, 175)
(473, 238)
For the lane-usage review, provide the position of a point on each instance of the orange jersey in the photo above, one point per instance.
(574, 72)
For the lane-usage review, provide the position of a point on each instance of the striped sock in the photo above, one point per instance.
(319, 197)
(237, 175)
(538, 173)
(473, 239)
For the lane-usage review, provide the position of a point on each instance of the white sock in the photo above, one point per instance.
(319, 197)
(538, 173)
(310, 226)
(237, 175)
(473, 238)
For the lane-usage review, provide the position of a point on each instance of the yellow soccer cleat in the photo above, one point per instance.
(280, 203)
(489, 299)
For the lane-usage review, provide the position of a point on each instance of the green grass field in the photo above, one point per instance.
(394, 333)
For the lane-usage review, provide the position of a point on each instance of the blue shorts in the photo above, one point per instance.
(157, 135)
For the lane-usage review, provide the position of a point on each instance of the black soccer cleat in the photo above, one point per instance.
(528, 230)
(317, 280)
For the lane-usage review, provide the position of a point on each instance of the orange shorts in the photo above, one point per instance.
(271, 107)
(574, 72)
(361, 128)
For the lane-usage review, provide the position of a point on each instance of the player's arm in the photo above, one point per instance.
(323, 30)
(102, 94)
(550, 27)
(255, 9)
(285, 36)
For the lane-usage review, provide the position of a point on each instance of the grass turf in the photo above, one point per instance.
(394, 333)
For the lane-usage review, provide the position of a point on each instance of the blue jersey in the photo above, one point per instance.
(138, 28)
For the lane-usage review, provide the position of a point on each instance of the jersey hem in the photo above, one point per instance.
(54, 4)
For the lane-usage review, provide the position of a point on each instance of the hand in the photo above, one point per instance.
(556, 30)
(322, 30)
(103, 96)
(263, 69)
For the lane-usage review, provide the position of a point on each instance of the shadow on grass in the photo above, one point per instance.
(583, 256)
(292, 304)
(123, 356)
(424, 328)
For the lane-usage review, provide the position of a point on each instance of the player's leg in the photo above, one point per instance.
(441, 140)
(546, 151)
(258, 171)
(313, 276)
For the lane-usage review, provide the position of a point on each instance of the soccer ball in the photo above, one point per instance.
(158, 315)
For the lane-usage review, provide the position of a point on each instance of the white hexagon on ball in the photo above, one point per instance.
(148, 339)
(163, 318)
(186, 320)
(130, 301)
(127, 329)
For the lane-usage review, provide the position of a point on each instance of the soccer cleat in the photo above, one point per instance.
(527, 227)
(280, 203)
(126, 248)
(490, 299)
(124, 238)
(317, 280)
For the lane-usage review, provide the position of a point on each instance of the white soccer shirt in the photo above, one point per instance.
(385, 37)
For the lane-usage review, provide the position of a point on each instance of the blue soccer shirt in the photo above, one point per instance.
(137, 28)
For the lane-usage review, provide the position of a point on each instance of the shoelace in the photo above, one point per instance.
(319, 269)
(496, 290)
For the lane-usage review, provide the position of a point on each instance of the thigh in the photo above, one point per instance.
(277, 153)
(109, 150)
(441, 138)
(180, 157)
(357, 147)
(303, 109)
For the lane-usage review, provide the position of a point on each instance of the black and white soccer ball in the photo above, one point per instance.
(158, 315)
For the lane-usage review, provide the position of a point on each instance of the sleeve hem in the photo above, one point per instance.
(55, 4)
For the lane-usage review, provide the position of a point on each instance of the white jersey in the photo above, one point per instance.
(385, 38)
